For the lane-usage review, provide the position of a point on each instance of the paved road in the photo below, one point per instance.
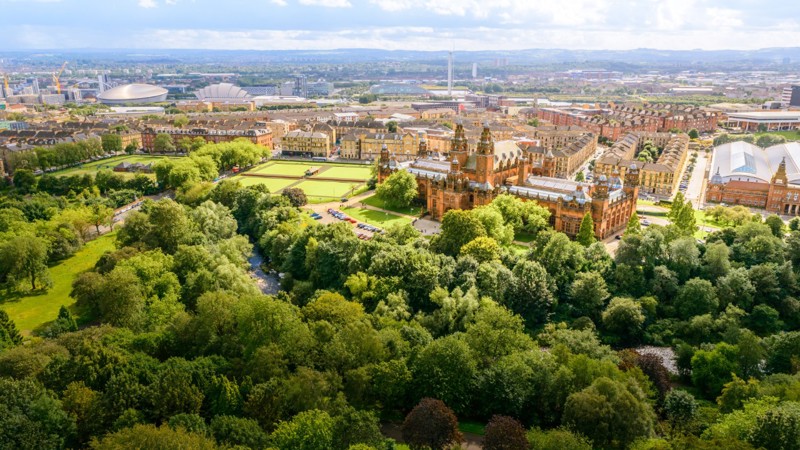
(694, 192)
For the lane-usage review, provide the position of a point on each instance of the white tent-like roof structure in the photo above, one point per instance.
(222, 92)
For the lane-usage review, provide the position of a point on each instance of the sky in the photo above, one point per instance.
(399, 24)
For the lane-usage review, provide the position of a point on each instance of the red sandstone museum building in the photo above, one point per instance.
(745, 174)
(465, 179)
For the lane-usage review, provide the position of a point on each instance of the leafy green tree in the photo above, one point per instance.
(431, 424)
(695, 298)
(778, 428)
(736, 392)
(163, 143)
(192, 423)
(693, 133)
(680, 407)
(391, 126)
(31, 417)
(735, 288)
(150, 437)
(610, 413)
(588, 294)
(624, 318)
(764, 320)
(64, 323)
(233, 431)
(585, 235)
(504, 433)
(24, 258)
(308, 430)
(25, 181)
(557, 439)
(297, 197)
(634, 227)
(711, 369)
(580, 176)
(684, 257)
(352, 427)
(483, 249)
(782, 351)
(458, 228)
(775, 223)
(531, 292)
(446, 369)
(399, 189)
(716, 260)
(9, 335)
(111, 142)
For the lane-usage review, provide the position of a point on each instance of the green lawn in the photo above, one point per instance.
(274, 184)
(524, 237)
(109, 163)
(472, 427)
(355, 173)
(789, 135)
(330, 189)
(31, 311)
(373, 217)
(377, 202)
(284, 169)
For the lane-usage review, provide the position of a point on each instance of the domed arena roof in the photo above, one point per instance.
(133, 93)
(221, 91)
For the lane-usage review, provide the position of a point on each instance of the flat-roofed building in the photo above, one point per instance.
(771, 120)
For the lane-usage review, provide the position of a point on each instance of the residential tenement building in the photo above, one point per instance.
(259, 136)
(306, 143)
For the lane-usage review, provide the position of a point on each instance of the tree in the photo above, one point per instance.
(308, 430)
(588, 294)
(557, 439)
(111, 142)
(297, 197)
(693, 133)
(150, 437)
(238, 431)
(711, 369)
(180, 121)
(101, 215)
(9, 336)
(64, 323)
(391, 126)
(531, 292)
(775, 224)
(680, 407)
(624, 318)
(132, 147)
(431, 424)
(610, 413)
(458, 228)
(446, 369)
(25, 181)
(778, 428)
(585, 235)
(24, 258)
(31, 418)
(483, 249)
(163, 143)
(695, 298)
(399, 189)
(580, 176)
(504, 433)
(634, 227)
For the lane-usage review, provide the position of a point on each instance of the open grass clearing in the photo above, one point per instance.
(353, 173)
(793, 135)
(330, 189)
(378, 202)
(373, 217)
(283, 169)
(273, 184)
(31, 311)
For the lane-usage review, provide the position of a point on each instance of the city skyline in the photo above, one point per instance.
(399, 25)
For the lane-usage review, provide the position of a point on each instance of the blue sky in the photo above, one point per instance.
(399, 24)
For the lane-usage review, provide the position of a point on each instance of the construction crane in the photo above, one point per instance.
(57, 75)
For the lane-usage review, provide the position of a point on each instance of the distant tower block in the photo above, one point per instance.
(450, 75)
(474, 70)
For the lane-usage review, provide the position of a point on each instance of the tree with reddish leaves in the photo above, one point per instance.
(431, 424)
(504, 433)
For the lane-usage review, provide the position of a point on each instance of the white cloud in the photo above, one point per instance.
(327, 3)
(279, 2)
(147, 3)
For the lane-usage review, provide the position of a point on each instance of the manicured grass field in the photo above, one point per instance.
(378, 202)
(330, 189)
(789, 135)
(274, 184)
(284, 169)
(373, 217)
(354, 173)
(109, 163)
(31, 311)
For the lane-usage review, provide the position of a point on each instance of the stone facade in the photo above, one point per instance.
(778, 196)
(467, 179)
